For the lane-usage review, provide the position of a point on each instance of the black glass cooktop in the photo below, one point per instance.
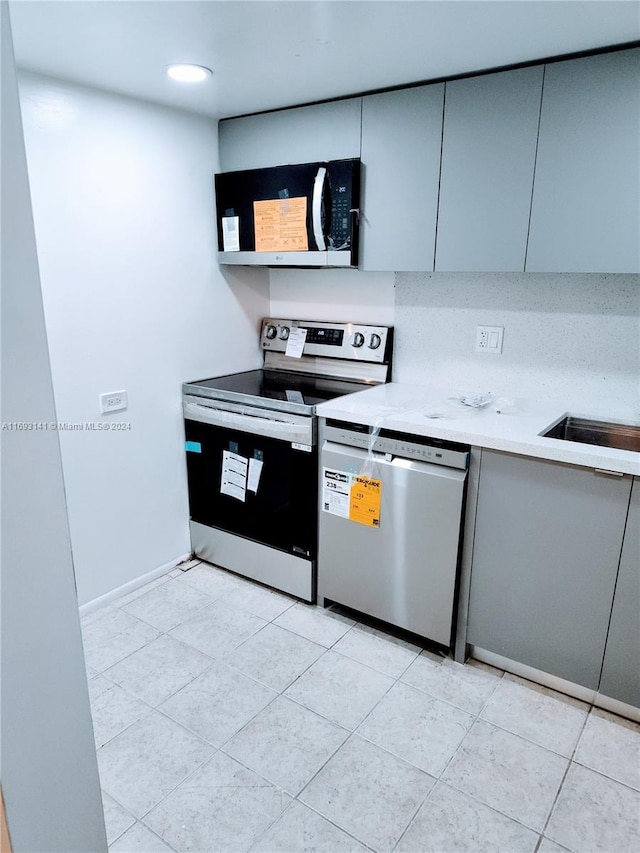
(271, 388)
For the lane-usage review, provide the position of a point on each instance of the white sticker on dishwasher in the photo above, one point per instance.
(233, 479)
(336, 486)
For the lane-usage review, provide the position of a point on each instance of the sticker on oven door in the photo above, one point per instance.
(233, 479)
(253, 477)
(351, 496)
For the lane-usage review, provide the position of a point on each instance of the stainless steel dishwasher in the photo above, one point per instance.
(390, 525)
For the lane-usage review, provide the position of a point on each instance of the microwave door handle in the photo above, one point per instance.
(316, 208)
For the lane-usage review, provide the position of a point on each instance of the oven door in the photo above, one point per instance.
(253, 474)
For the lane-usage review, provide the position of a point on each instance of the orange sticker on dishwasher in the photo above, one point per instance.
(364, 501)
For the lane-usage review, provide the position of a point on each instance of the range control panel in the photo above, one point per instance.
(352, 341)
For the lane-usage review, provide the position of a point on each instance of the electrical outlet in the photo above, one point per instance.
(113, 401)
(489, 339)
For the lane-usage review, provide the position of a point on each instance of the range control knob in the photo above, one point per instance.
(270, 332)
(358, 340)
(374, 341)
(283, 333)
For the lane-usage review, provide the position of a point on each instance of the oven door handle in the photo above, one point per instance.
(278, 429)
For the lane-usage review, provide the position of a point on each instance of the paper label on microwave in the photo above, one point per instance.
(351, 496)
(233, 478)
(230, 233)
(280, 225)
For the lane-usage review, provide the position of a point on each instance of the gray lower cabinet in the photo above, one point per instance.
(401, 145)
(546, 550)
(318, 132)
(621, 669)
(585, 214)
(488, 158)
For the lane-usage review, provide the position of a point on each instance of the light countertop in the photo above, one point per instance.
(511, 426)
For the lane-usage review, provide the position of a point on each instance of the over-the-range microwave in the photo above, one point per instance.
(303, 215)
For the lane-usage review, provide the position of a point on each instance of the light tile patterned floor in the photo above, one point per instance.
(231, 718)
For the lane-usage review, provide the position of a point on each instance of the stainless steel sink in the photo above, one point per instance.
(621, 436)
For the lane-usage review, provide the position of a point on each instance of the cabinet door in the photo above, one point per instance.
(585, 215)
(302, 135)
(488, 157)
(401, 143)
(545, 558)
(621, 670)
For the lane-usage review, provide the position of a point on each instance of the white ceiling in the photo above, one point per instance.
(274, 53)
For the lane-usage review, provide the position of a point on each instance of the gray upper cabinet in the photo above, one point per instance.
(546, 550)
(488, 160)
(401, 144)
(621, 670)
(586, 207)
(302, 135)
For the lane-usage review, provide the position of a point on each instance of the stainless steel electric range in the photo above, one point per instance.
(251, 447)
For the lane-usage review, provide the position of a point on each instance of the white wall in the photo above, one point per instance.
(123, 207)
(49, 769)
(347, 296)
(573, 339)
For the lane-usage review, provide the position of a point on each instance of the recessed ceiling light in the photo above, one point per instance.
(186, 73)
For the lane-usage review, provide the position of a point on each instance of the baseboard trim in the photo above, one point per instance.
(130, 586)
(585, 694)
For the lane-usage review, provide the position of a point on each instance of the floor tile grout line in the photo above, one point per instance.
(199, 767)
(118, 803)
(148, 828)
(572, 762)
(476, 717)
(167, 635)
(297, 634)
(315, 811)
(187, 728)
(448, 702)
(173, 790)
(351, 733)
(573, 752)
(216, 748)
(592, 713)
(191, 615)
(525, 738)
(605, 776)
(495, 809)
(415, 814)
(282, 691)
